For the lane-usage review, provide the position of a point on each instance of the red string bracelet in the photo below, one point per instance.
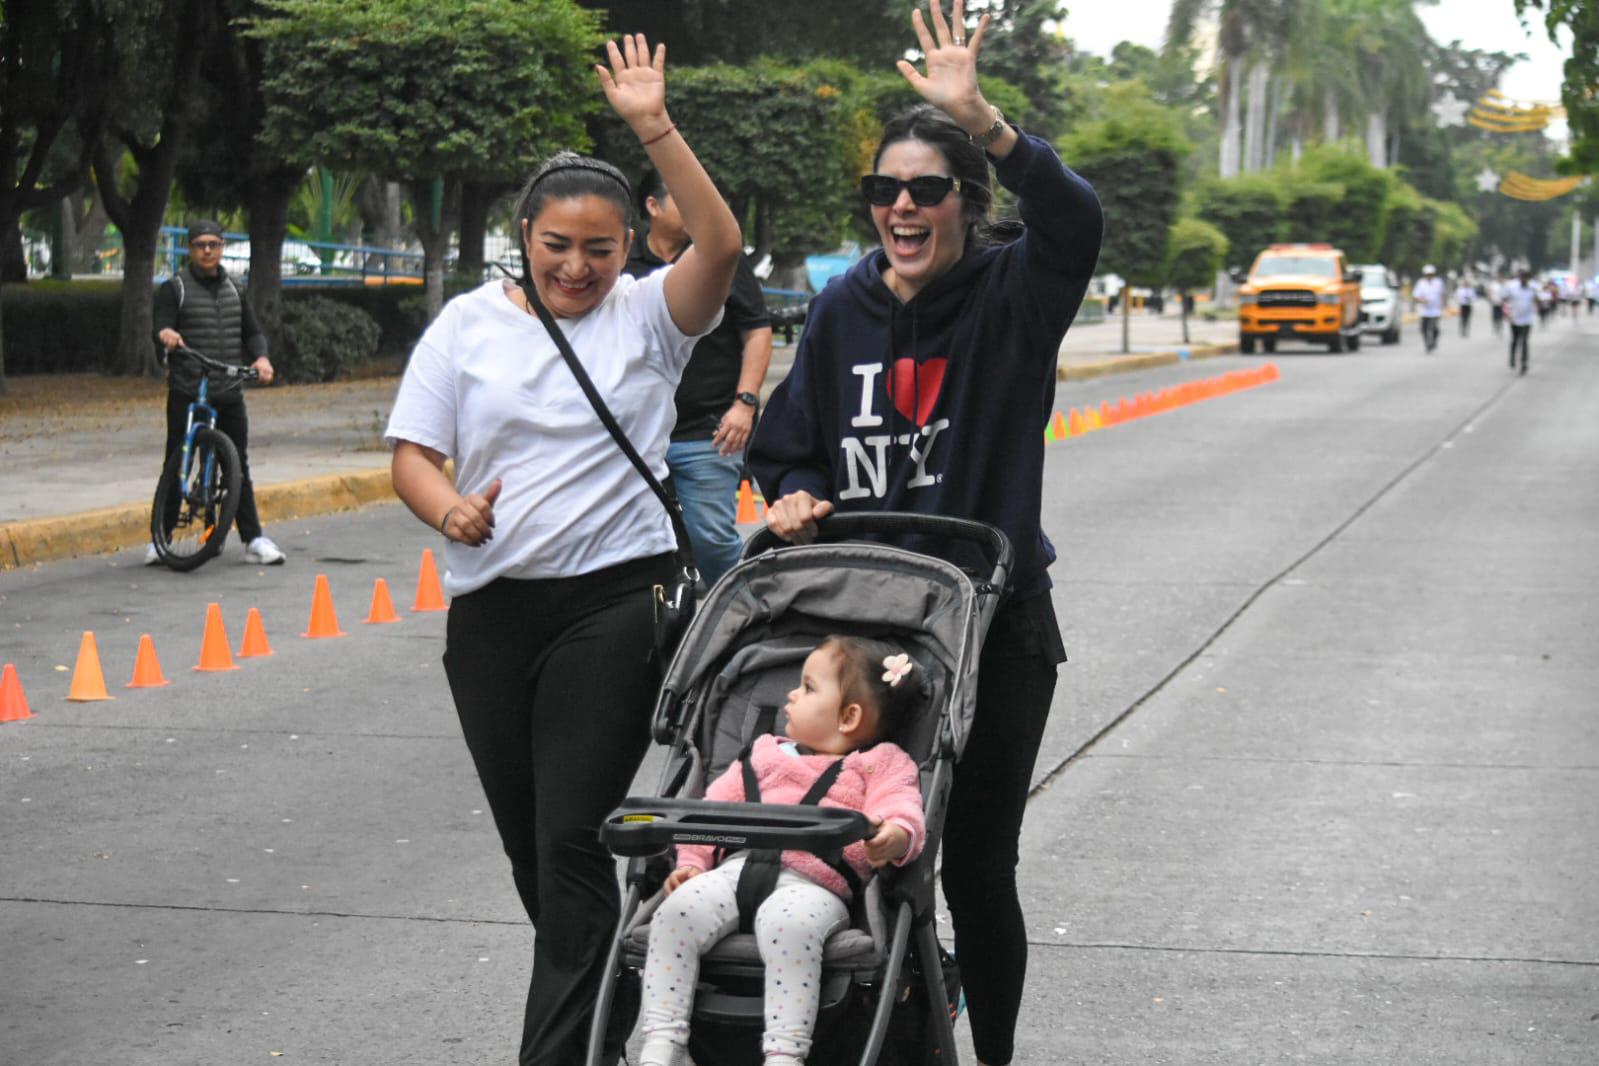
(659, 136)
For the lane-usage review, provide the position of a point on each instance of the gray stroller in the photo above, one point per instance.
(725, 686)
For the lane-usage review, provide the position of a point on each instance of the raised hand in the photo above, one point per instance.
(951, 80)
(636, 85)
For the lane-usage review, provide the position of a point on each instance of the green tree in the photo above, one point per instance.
(735, 32)
(152, 73)
(1196, 253)
(50, 66)
(1581, 19)
(1249, 211)
(1133, 158)
(781, 142)
(430, 94)
(1358, 225)
(228, 165)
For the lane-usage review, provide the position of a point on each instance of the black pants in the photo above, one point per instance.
(1499, 319)
(554, 688)
(233, 420)
(1465, 320)
(1429, 333)
(981, 836)
(1518, 338)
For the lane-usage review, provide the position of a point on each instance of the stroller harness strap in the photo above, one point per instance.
(762, 865)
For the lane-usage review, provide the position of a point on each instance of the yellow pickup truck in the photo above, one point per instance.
(1304, 291)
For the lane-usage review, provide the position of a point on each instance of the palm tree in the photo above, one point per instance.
(1385, 45)
(1250, 36)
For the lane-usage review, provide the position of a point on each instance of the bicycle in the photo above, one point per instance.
(198, 494)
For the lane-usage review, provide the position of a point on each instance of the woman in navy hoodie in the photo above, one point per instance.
(923, 383)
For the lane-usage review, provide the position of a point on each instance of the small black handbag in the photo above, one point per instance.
(674, 603)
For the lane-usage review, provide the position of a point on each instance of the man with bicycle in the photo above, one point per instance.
(202, 308)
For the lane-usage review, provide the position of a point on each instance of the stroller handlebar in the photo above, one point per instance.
(649, 825)
(852, 525)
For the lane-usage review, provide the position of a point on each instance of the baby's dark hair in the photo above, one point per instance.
(566, 176)
(860, 677)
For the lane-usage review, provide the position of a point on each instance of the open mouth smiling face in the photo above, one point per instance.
(575, 248)
(921, 241)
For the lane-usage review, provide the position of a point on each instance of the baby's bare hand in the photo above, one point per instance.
(675, 879)
(890, 842)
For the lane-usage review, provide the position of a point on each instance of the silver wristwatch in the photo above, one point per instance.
(990, 135)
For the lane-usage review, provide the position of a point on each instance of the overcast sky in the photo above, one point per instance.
(1488, 24)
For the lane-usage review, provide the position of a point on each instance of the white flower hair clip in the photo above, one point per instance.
(895, 667)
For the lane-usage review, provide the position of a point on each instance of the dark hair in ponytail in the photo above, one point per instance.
(969, 163)
(568, 176)
(861, 678)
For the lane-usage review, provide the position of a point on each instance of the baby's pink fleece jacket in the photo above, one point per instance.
(881, 782)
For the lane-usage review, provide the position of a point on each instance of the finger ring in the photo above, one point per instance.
(961, 41)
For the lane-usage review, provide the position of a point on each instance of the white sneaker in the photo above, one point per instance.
(263, 552)
(151, 556)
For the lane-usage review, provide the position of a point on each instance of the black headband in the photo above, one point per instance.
(573, 161)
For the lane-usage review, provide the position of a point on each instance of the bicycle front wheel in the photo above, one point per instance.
(194, 508)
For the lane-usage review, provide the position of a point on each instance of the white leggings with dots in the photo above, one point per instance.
(790, 929)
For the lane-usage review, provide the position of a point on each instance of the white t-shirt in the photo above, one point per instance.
(1465, 296)
(1429, 296)
(487, 387)
(1521, 303)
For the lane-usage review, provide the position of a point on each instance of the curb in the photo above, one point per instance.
(110, 529)
(43, 540)
(1126, 364)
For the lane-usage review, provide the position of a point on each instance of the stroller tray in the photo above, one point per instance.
(649, 825)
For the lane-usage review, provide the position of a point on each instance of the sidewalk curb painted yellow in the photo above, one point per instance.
(42, 540)
(110, 529)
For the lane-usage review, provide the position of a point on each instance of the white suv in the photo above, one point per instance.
(1379, 302)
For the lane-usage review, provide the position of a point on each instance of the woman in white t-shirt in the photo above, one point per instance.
(553, 540)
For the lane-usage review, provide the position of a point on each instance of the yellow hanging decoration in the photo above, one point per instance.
(1496, 113)
(1519, 186)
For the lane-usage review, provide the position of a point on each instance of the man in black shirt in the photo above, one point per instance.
(718, 395)
(200, 307)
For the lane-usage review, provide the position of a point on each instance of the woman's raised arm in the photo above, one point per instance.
(698, 284)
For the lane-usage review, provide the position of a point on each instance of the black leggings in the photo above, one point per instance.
(981, 837)
(554, 688)
(233, 420)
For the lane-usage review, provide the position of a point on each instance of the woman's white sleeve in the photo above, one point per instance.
(424, 411)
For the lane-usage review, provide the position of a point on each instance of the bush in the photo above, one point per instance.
(323, 339)
(60, 327)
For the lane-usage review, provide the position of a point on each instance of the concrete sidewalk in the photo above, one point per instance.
(79, 469)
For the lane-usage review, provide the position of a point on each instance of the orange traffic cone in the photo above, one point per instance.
(1075, 423)
(324, 623)
(146, 667)
(429, 593)
(255, 643)
(1058, 423)
(746, 503)
(382, 607)
(88, 680)
(214, 653)
(13, 704)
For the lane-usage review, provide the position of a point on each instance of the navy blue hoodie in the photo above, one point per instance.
(938, 405)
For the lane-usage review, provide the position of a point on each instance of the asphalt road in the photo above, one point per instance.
(1319, 784)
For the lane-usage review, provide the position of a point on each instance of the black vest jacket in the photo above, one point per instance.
(211, 319)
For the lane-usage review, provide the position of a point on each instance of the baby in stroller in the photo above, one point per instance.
(854, 695)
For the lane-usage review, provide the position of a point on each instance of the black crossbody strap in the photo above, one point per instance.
(674, 509)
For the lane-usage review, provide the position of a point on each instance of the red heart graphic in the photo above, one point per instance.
(916, 382)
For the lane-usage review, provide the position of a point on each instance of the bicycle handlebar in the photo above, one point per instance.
(232, 370)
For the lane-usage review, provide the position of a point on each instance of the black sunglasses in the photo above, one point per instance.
(928, 190)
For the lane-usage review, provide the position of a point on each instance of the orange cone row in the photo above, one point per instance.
(1076, 423)
(88, 678)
